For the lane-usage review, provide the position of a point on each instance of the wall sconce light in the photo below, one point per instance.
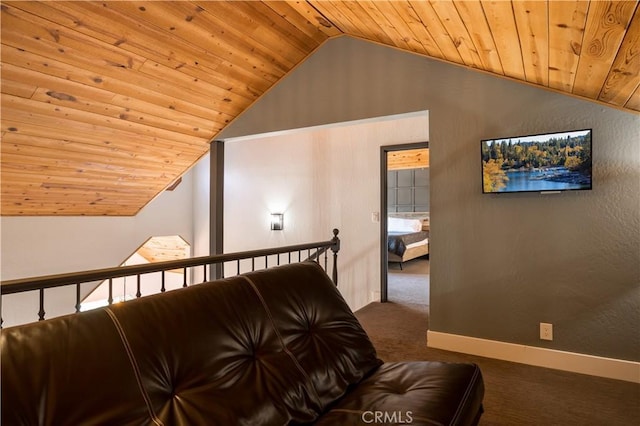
(277, 221)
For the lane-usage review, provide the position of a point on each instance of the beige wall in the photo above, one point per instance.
(320, 178)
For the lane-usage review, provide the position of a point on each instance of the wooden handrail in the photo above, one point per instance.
(58, 280)
(40, 284)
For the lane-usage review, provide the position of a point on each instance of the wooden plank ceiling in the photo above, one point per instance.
(408, 159)
(164, 248)
(105, 104)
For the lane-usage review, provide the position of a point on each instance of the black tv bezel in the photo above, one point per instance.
(529, 191)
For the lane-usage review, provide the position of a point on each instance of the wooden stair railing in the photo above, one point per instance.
(40, 284)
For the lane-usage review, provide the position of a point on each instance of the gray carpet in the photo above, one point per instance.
(516, 394)
(411, 284)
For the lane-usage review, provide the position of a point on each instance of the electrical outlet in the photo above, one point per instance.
(546, 331)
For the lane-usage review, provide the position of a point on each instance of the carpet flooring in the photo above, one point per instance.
(411, 284)
(515, 394)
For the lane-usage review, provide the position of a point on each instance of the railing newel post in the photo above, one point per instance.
(110, 300)
(335, 248)
(78, 297)
(41, 312)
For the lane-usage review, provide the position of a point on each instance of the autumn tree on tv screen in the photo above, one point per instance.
(545, 162)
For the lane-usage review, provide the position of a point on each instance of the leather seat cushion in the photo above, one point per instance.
(417, 393)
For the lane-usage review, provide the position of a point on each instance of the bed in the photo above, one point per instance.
(407, 237)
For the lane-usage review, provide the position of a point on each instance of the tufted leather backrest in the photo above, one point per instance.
(270, 347)
(210, 355)
(69, 371)
(317, 327)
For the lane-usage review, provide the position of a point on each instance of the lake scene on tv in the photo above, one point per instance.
(548, 162)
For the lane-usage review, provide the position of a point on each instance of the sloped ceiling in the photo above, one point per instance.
(105, 104)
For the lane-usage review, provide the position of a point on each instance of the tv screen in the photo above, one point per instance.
(547, 162)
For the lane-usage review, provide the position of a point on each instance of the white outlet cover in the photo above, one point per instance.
(546, 331)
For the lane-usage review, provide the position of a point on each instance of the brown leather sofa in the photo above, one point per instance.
(272, 347)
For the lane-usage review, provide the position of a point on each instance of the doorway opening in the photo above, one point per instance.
(405, 223)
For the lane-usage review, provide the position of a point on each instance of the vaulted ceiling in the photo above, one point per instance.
(105, 104)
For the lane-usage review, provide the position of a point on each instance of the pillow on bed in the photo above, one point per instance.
(397, 224)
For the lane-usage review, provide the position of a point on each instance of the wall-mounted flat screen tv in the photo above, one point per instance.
(547, 162)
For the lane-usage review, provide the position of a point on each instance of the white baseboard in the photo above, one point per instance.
(541, 357)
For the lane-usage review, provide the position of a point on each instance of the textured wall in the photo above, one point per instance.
(500, 264)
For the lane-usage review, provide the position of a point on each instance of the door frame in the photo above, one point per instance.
(384, 264)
